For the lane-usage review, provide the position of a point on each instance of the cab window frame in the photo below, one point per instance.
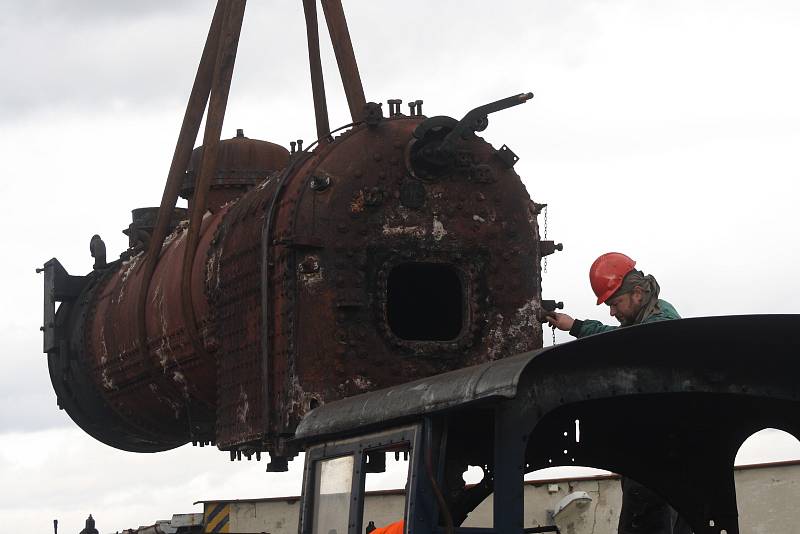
(358, 447)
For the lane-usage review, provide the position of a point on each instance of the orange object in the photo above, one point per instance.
(393, 528)
(607, 272)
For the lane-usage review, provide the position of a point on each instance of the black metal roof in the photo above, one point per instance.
(742, 345)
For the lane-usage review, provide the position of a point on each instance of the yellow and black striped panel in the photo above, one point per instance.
(217, 517)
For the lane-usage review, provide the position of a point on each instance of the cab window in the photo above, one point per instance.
(332, 490)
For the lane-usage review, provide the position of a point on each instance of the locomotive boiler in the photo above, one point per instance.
(399, 247)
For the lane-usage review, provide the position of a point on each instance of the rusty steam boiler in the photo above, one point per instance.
(400, 247)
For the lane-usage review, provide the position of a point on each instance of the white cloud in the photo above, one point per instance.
(64, 474)
(664, 130)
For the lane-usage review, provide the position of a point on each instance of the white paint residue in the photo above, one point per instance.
(312, 279)
(244, 406)
(361, 382)
(495, 338)
(228, 204)
(518, 336)
(177, 234)
(438, 231)
(103, 347)
(298, 399)
(212, 270)
(264, 184)
(175, 406)
(107, 382)
(180, 379)
(164, 349)
(414, 231)
(478, 218)
(128, 267)
(524, 319)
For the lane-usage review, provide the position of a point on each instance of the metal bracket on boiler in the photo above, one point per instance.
(58, 287)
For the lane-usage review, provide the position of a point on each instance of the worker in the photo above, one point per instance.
(393, 528)
(633, 299)
(631, 296)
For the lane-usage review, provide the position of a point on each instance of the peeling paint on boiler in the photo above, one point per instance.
(243, 407)
(438, 231)
(107, 382)
(212, 270)
(164, 348)
(413, 231)
(128, 267)
(178, 377)
(517, 335)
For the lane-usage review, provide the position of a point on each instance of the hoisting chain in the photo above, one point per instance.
(544, 266)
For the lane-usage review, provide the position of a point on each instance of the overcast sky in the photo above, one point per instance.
(666, 130)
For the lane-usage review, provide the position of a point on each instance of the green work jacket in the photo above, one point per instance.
(589, 327)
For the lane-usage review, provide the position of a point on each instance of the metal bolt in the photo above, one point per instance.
(419, 107)
(394, 106)
(411, 106)
(299, 145)
(293, 144)
(239, 132)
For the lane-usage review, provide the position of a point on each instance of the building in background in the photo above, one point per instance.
(767, 497)
(179, 524)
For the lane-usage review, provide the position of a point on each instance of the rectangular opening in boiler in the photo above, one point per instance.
(425, 302)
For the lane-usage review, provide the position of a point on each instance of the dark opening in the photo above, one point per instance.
(425, 302)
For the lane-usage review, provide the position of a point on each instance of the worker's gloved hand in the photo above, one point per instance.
(562, 321)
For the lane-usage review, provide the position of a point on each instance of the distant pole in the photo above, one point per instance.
(55, 526)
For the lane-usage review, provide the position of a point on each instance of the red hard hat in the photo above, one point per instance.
(607, 272)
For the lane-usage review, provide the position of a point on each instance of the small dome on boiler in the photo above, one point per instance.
(241, 163)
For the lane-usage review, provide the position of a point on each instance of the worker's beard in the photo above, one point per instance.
(628, 321)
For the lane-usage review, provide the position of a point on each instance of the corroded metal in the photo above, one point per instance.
(300, 292)
(242, 163)
(404, 247)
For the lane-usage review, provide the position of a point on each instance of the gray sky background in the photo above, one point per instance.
(666, 130)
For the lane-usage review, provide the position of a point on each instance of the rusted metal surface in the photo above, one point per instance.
(404, 247)
(168, 388)
(242, 163)
(334, 244)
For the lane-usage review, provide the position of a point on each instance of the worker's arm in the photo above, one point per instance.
(589, 327)
(577, 327)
